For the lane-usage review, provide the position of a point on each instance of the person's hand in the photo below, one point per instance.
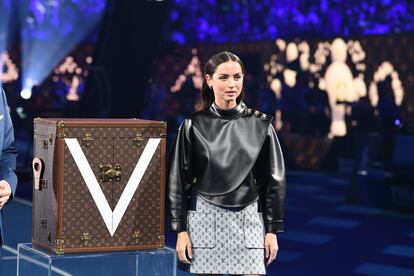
(5, 192)
(271, 247)
(183, 245)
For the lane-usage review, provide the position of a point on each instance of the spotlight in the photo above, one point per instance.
(397, 122)
(26, 93)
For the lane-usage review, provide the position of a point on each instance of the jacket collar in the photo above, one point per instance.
(229, 113)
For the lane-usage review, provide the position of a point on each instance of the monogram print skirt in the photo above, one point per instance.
(226, 241)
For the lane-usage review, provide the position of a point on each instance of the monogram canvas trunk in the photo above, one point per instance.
(98, 185)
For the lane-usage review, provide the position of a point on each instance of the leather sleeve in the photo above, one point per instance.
(269, 172)
(180, 179)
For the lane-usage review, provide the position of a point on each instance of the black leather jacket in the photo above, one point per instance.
(231, 158)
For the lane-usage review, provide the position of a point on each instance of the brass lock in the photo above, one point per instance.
(88, 139)
(51, 139)
(109, 173)
(138, 138)
(43, 223)
(46, 142)
(85, 238)
(43, 184)
(161, 240)
(163, 133)
(137, 236)
(60, 247)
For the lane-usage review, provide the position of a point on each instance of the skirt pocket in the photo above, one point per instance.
(253, 230)
(202, 229)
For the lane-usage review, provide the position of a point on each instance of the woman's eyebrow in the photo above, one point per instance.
(223, 74)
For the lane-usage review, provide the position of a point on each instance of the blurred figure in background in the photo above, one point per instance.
(318, 111)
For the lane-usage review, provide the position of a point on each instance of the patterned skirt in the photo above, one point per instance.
(226, 241)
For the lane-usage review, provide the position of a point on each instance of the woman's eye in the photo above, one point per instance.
(237, 77)
(223, 78)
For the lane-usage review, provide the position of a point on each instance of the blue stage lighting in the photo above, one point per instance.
(218, 21)
(50, 30)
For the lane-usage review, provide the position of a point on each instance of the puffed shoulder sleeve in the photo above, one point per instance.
(269, 172)
(180, 178)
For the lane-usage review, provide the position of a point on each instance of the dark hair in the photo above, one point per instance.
(206, 97)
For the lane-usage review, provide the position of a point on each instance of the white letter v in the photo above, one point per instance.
(112, 219)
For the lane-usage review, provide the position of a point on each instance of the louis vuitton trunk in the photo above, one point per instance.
(98, 185)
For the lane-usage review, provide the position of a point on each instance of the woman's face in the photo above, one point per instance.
(227, 84)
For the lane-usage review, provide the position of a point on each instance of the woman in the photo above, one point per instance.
(227, 179)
